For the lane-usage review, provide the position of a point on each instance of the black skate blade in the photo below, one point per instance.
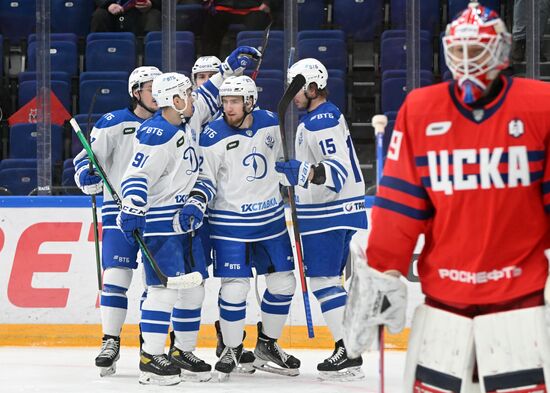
(345, 375)
(268, 367)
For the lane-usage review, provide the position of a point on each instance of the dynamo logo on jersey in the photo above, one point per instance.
(191, 155)
(258, 163)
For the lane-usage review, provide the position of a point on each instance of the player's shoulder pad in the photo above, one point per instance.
(327, 115)
(264, 118)
(214, 132)
(114, 118)
(156, 131)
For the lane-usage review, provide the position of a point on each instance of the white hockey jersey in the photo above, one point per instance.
(323, 137)
(239, 179)
(113, 138)
(165, 164)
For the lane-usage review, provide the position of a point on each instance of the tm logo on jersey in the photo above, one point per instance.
(353, 207)
(258, 163)
(448, 167)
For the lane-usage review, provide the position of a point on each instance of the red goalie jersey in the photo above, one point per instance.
(477, 184)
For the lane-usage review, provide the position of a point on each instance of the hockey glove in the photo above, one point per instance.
(189, 218)
(128, 223)
(240, 59)
(374, 299)
(296, 173)
(89, 183)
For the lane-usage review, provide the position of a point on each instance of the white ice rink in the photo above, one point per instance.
(72, 370)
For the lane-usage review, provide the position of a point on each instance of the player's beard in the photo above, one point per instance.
(234, 120)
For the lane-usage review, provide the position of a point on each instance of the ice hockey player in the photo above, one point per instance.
(157, 182)
(204, 68)
(247, 224)
(468, 165)
(113, 144)
(330, 203)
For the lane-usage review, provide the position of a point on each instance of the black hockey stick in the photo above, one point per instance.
(297, 83)
(178, 282)
(264, 45)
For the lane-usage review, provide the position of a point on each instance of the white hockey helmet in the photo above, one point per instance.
(141, 75)
(241, 86)
(312, 69)
(167, 86)
(205, 64)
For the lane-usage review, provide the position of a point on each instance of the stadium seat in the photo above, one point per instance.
(337, 90)
(241, 35)
(54, 76)
(311, 14)
(63, 55)
(17, 19)
(429, 15)
(394, 90)
(329, 51)
(180, 36)
(10, 163)
(274, 57)
(72, 16)
(125, 36)
(111, 95)
(68, 163)
(362, 19)
(393, 54)
(61, 89)
(19, 181)
(104, 75)
(82, 120)
(266, 73)
(457, 6)
(67, 180)
(110, 55)
(185, 55)
(67, 37)
(270, 91)
(190, 17)
(23, 141)
(332, 34)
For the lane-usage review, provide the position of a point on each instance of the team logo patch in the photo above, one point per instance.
(258, 163)
(249, 132)
(515, 128)
(269, 141)
(478, 114)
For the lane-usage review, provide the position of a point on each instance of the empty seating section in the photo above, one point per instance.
(361, 19)
(17, 19)
(72, 16)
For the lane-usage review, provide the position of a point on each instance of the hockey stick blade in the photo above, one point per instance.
(185, 281)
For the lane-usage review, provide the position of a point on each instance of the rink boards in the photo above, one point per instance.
(50, 291)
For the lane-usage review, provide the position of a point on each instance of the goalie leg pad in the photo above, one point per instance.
(440, 356)
(513, 350)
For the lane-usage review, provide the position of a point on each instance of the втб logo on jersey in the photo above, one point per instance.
(447, 168)
(258, 163)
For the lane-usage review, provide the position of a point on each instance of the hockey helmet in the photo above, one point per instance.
(205, 64)
(141, 75)
(477, 47)
(312, 69)
(241, 86)
(167, 86)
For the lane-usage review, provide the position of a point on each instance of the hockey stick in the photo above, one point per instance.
(297, 83)
(190, 280)
(379, 123)
(94, 200)
(264, 45)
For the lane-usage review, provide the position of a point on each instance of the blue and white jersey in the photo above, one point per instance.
(165, 164)
(239, 179)
(323, 138)
(113, 139)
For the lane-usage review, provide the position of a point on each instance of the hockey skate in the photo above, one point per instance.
(338, 367)
(108, 356)
(229, 360)
(245, 365)
(271, 358)
(193, 369)
(157, 370)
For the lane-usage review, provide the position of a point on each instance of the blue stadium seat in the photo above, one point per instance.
(394, 91)
(393, 54)
(180, 36)
(442, 64)
(270, 91)
(111, 95)
(329, 51)
(19, 181)
(17, 19)
(391, 115)
(274, 57)
(457, 6)
(54, 76)
(82, 120)
(241, 35)
(126, 36)
(23, 141)
(424, 34)
(61, 89)
(104, 75)
(190, 17)
(72, 16)
(311, 14)
(185, 55)
(67, 180)
(332, 34)
(2, 53)
(362, 19)
(266, 73)
(68, 163)
(68, 37)
(337, 91)
(110, 55)
(10, 163)
(429, 15)
(63, 55)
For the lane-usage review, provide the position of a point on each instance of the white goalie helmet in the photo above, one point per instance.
(312, 69)
(141, 75)
(167, 86)
(241, 86)
(205, 64)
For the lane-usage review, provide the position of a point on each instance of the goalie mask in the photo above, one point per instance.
(477, 47)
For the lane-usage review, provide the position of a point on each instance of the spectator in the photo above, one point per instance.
(136, 16)
(520, 26)
(254, 14)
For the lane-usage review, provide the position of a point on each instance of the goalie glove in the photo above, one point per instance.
(374, 299)
(189, 217)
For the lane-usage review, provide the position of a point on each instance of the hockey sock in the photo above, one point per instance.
(276, 302)
(186, 317)
(155, 318)
(114, 302)
(332, 298)
(232, 303)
